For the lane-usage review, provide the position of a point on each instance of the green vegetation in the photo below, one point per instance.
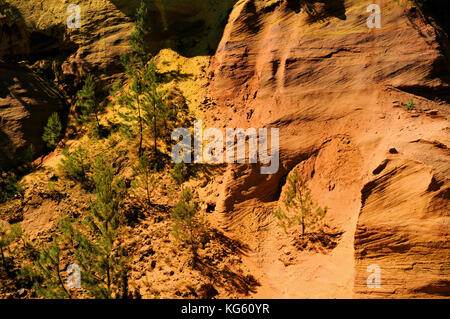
(132, 101)
(100, 258)
(7, 237)
(410, 105)
(179, 173)
(9, 186)
(145, 176)
(146, 107)
(52, 131)
(137, 40)
(76, 164)
(90, 108)
(48, 269)
(299, 207)
(187, 224)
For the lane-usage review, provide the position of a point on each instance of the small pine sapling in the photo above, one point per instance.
(90, 108)
(299, 206)
(52, 131)
(100, 255)
(76, 164)
(145, 176)
(48, 267)
(179, 173)
(7, 237)
(186, 222)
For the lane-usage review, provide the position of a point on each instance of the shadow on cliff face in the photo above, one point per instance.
(439, 10)
(11, 12)
(26, 103)
(319, 9)
(192, 28)
(5, 149)
(19, 42)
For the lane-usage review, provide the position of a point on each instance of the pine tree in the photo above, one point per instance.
(179, 173)
(146, 177)
(90, 108)
(185, 218)
(7, 237)
(299, 206)
(48, 268)
(146, 107)
(9, 186)
(138, 44)
(52, 131)
(132, 100)
(76, 164)
(154, 106)
(101, 258)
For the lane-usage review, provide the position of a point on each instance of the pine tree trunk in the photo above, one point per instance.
(3, 259)
(154, 128)
(96, 118)
(60, 279)
(148, 190)
(108, 278)
(140, 126)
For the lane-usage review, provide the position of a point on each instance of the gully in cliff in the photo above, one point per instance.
(213, 152)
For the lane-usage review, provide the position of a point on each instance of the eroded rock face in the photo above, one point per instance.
(403, 227)
(315, 70)
(37, 32)
(26, 103)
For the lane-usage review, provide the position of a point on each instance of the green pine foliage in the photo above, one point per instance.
(186, 221)
(146, 108)
(138, 43)
(76, 165)
(299, 207)
(180, 173)
(87, 102)
(9, 186)
(99, 253)
(48, 268)
(145, 176)
(52, 131)
(132, 101)
(155, 110)
(7, 236)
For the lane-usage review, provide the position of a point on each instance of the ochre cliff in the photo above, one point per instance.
(37, 33)
(336, 90)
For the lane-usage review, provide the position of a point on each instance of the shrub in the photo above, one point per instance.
(87, 102)
(410, 105)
